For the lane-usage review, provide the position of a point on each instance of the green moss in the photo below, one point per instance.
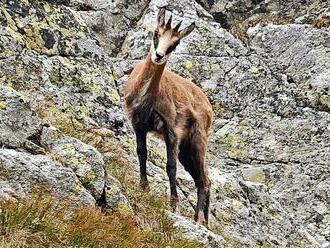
(258, 177)
(227, 191)
(234, 144)
(3, 106)
(325, 101)
(188, 65)
(89, 177)
(192, 66)
(65, 122)
(10, 21)
(215, 67)
(234, 147)
(113, 96)
(237, 205)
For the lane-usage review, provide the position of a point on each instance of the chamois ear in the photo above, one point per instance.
(184, 32)
(161, 17)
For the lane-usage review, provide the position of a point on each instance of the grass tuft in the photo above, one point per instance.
(38, 221)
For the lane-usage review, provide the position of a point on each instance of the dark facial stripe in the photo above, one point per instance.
(156, 39)
(172, 48)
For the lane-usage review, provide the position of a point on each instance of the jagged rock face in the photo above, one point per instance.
(229, 13)
(63, 64)
(271, 128)
(48, 53)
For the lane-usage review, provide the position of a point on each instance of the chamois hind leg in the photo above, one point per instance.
(192, 156)
(172, 151)
(141, 149)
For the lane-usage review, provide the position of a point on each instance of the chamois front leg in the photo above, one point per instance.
(141, 149)
(172, 151)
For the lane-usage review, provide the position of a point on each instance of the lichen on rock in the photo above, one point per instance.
(263, 66)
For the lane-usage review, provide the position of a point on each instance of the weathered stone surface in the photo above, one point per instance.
(110, 21)
(86, 162)
(229, 13)
(269, 147)
(69, 83)
(284, 48)
(18, 124)
(196, 232)
(114, 196)
(23, 173)
(265, 125)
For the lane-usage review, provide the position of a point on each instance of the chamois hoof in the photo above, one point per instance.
(145, 186)
(175, 205)
(199, 218)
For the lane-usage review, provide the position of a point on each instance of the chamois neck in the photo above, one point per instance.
(155, 70)
(152, 74)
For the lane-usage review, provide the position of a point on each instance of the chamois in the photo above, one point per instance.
(175, 109)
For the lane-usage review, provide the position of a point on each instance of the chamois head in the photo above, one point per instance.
(166, 38)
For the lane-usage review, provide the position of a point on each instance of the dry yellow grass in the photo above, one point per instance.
(39, 222)
(321, 22)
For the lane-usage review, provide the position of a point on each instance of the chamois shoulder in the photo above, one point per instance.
(184, 87)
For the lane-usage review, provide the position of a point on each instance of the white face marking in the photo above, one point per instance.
(163, 44)
(154, 57)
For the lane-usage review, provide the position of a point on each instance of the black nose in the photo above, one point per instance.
(158, 56)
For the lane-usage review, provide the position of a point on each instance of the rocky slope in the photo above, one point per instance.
(265, 68)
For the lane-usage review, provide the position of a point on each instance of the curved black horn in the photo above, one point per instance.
(176, 29)
(168, 24)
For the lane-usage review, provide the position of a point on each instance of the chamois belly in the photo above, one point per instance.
(157, 125)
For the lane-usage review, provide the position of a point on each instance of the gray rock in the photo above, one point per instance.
(285, 49)
(110, 21)
(25, 173)
(196, 232)
(269, 149)
(114, 196)
(19, 125)
(86, 162)
(69, 84)
(229, 13)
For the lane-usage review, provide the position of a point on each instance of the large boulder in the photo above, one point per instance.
(86, 162)
(19, 125)
(23, 173)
